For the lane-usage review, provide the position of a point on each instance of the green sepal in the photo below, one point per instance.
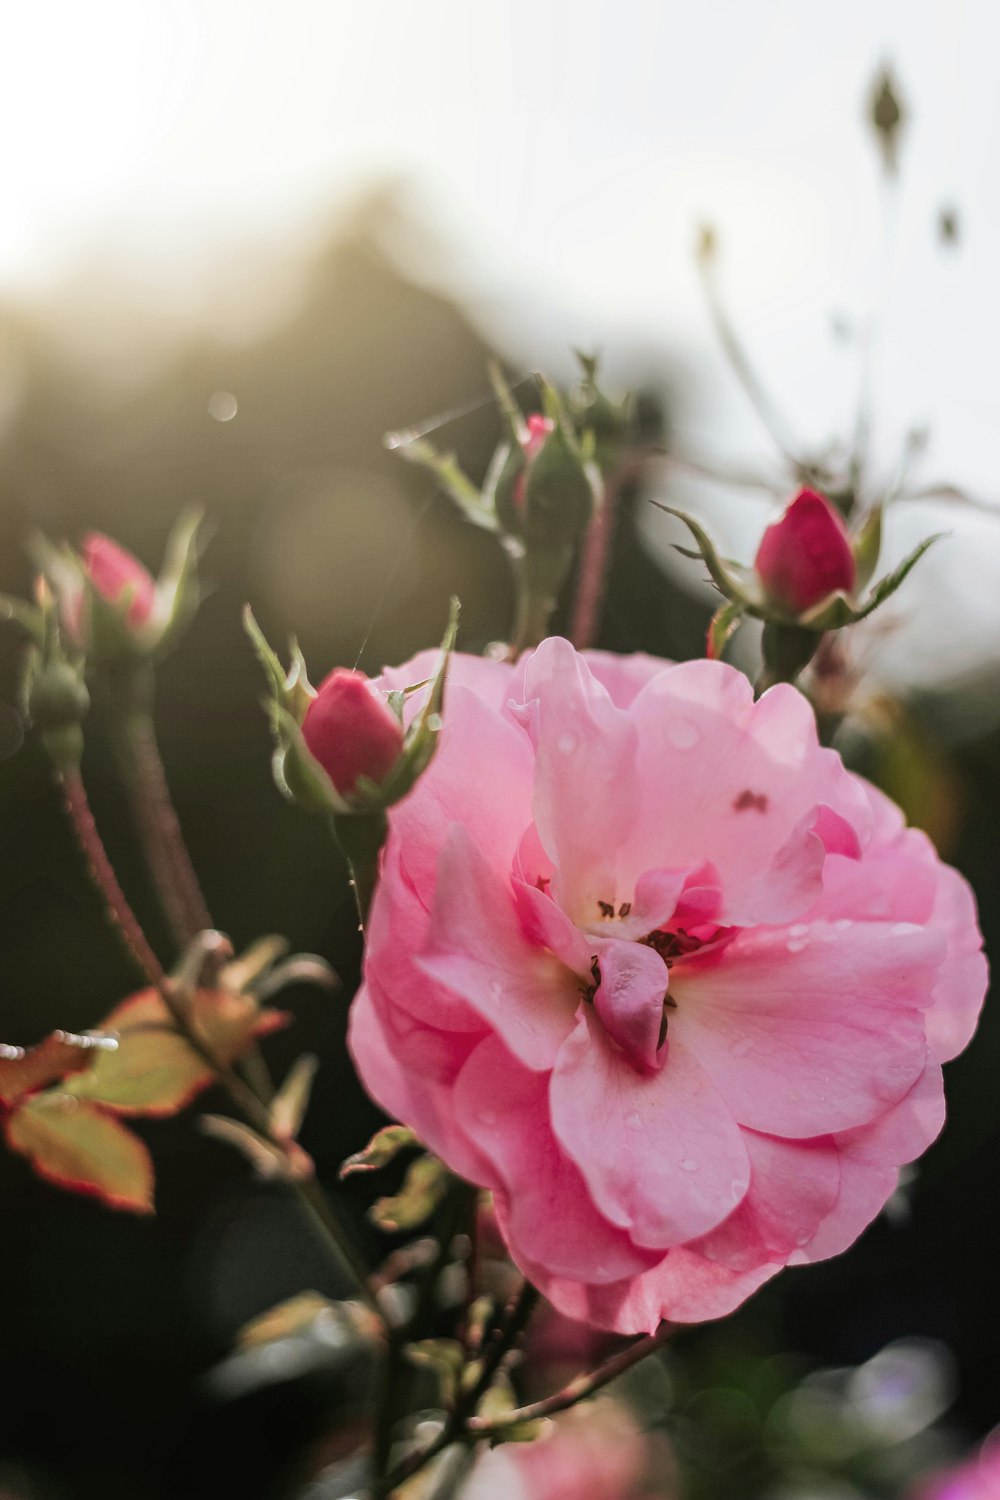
(867, 545)
(384, 1146)
(475, 506)
(723, 623)
(725, 576)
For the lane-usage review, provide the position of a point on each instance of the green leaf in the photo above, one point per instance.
(289, 1105)
(78, 1146)
(444, 1358)
(424, 1186)
(384, 1146)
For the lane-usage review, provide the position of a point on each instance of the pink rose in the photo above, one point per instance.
(976, 1479)
(653, 967)
(113, 571)
(597, 1453)
(352, 731)
(806, 555)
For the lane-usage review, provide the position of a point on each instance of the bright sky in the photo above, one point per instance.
(569, 150)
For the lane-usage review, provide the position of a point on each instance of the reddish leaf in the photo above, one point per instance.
(153, 1072)
(61, 1053)
(77, 1145)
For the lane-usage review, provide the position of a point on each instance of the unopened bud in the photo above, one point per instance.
(806, 555)
(351, 731)
(119, 577)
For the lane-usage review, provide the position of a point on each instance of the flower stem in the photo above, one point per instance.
(134, 742)
(594, 565)
(459, 1425)
(576, 1391)
(360, 837)
(246, 1102)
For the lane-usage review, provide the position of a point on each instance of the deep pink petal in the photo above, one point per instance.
(793, 1187)
(810, 1029)
(661, 1153)
(503, 1109)
(630, 996)
(477, 949)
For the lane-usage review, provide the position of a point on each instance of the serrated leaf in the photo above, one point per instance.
(294, 1315)
(383, 1147)
(444, 1358)
(78, 1146)
(290, 1103)
(424, 1185)
(153, 1072)
(723, 623)
(22, 1072)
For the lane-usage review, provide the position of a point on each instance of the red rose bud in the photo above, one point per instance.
(113, 571)
(806, 555)
(539, 428)
(351, 731)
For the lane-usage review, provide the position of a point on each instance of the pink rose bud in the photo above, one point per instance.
(351, 731)
(112, 571)
(539, 428)
(806, 555)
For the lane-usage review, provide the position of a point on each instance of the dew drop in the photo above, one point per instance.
(902, 929)
(843, 924)
(796, 945)
(741, 1046)
(633, 1122)
(496, 988)
(566, 744)
(487, 1117)
(803, 1237)
(799, 930)
(689, 1165)
(682, 734)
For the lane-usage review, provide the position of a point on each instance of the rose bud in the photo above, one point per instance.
(114, 572)
(351, 731)
(806, 555)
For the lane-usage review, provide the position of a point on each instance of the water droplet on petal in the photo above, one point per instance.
(741, 1046)
(566, 744)
(682, 734)
(902, 929)
(633, 1122)
(487, 1117)
(842, 924)
(799, 930)
(803, 1237)
(688, 1165)
(796, 945)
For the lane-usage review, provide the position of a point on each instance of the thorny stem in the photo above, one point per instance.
(594, 565)
(387, 1406)
(253, 1110)
(360, 837)
(460, 1422)
(166, 854)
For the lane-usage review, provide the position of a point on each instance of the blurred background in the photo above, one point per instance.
(239, 242)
